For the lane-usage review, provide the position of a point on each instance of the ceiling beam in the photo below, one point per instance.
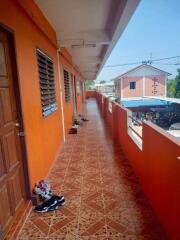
(88, 69)
(92, 60)
(83, 38)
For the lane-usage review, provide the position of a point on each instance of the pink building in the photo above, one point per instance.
(144, 80)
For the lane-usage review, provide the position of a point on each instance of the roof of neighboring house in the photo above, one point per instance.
(173, 100)
(144, 102)
(149, 101)
(104, 84)
(139, 67)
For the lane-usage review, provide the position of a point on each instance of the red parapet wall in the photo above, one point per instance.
(162, 176)
(156, 165)
(91, 94)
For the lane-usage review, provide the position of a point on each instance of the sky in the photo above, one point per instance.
(153, 29)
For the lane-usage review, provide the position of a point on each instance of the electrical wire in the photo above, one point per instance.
(146, 62)
(171, 64)
(123, 64)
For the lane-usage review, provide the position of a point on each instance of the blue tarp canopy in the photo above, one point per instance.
(145, 103)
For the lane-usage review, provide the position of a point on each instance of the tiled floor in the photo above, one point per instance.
(104, 200)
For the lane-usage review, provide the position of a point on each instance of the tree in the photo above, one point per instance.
(171, 85)
(89, 84)
(103, 81)
(177, 87)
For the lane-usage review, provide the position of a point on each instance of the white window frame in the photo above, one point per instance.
(130, 85)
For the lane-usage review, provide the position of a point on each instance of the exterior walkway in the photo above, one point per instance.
(104, 200)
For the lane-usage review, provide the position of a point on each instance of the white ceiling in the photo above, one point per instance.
(88, 28)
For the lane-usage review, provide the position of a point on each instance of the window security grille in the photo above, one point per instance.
(47, 84)
(66, 86)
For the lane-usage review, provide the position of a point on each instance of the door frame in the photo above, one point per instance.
(23, 147)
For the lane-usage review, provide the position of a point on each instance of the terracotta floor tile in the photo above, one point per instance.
(96, 229)
(104, 200)
(63, 226)
(72, 205)
(91, 221)
(70, 193)
(88, 191)
(121, 216)
(92, 237)
(32, 231)
(73, 180)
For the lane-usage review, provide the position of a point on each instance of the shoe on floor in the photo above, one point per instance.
(85, 120)
(73, 131)
(43, 209)
(46, 206)
(60, 199)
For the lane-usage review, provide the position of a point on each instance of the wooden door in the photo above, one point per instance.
(12, 184)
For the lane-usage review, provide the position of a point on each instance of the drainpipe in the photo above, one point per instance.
(60, 86)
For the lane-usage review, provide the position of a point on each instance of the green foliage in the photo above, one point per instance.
(89, 84)
(173, 86)
(103, 81)
(177, 88)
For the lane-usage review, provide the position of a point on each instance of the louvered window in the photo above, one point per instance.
(66, 86)
(47, 83)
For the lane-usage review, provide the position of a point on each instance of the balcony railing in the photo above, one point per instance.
(134, 129)
(154, 155)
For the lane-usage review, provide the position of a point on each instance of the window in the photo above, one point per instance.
(47, 83)
(66, 86)
(132, 85)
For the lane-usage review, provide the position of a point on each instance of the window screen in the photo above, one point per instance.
(47, 83)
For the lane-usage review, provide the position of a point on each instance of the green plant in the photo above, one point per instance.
(89, 84)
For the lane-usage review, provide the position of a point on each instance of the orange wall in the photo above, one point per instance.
(156, 165)
(43, 135)
(67, 64)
